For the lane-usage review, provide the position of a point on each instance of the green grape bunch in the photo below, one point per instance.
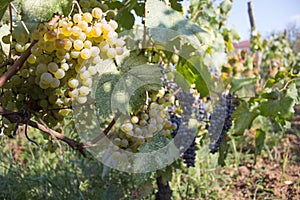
(60, 69)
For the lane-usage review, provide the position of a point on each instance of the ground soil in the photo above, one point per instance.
(272, 177)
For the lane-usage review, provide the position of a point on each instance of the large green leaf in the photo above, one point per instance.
(238, 83)
(133, 84)
(103, 94)
(160, 16)
(154, 144)
(243, 118)
(281, 108)
(125, 20)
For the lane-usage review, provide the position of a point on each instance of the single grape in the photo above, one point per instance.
(78, 45)
(81, 99)
(97, 13)
(52, 67)
(73, 83)
(85, 53)
(87, 17)
(84, 91)
(59, 74)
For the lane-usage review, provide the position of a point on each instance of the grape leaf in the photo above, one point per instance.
(3, 7)
(238, 83)
(292, 92)
(103, 94)
(282, 108)
(260, 136)
(139, 9)
(135, 82)
(155, 143)
(162, 20)
(243, 118)
(125, 20)
(203, 79)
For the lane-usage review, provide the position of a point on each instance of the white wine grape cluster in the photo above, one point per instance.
(61, 66)
(142, 125)
(72, 49)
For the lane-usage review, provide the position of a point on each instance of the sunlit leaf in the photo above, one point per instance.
(159, 15)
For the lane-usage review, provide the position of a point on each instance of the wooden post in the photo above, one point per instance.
(251, 15)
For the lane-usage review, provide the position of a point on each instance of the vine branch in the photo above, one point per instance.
(19, 117)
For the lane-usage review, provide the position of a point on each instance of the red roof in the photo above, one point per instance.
(242, 45)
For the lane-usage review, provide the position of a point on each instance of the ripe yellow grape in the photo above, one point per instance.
(111, 53)
(81, 99)
(134, 119)
(106, 28)
(50, 36)
(59, 74)
(113, 24)
(87, 82)
(67, 44)
(97, 13)
(96, 31)
(78, 45)
(77, 17)
(95, 51)
(84, 91)
(119, 50)
(76, 31)
(87, 44)
(87, 17)
(73, 83)
(92, 70)
(83, 25)
(85, 53)
(74, 54)
(73, 93)
(66, 30)
(85, 75)
(65, 66)
(82, 36)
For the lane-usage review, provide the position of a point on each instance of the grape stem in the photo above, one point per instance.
(78, 7)
(19, 117)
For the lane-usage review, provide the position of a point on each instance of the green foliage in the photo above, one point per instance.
(203, 46)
